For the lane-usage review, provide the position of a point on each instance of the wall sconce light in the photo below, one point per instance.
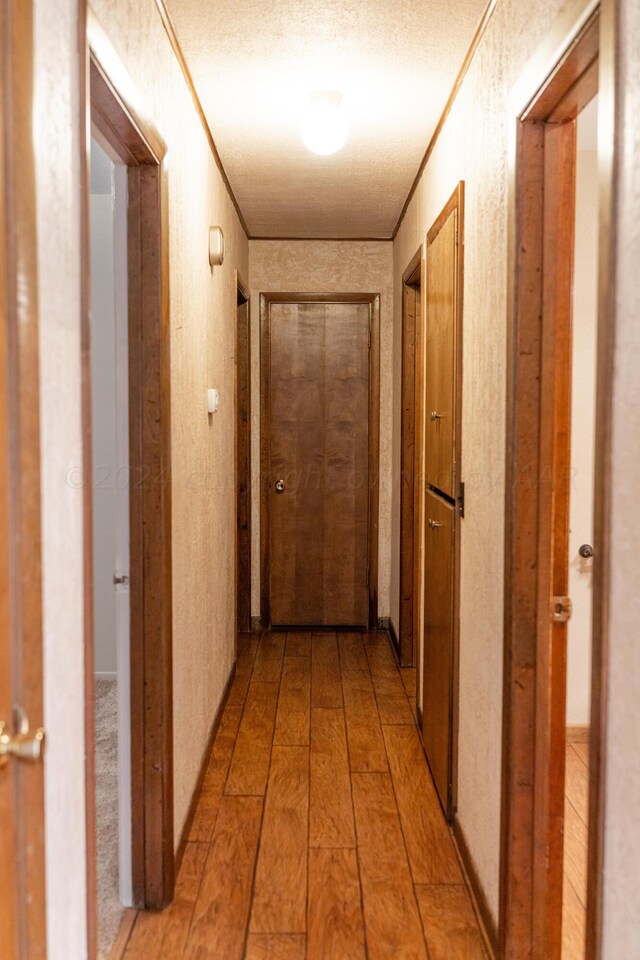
(216, 246)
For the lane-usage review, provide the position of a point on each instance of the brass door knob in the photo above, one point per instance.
(279, 486)
(435, 415)
(22, 746)
(434, 524)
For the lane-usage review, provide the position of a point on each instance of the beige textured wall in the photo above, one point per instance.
(57, 142)
(325, 266)
(622, 844)
(202, 310)
(473, 147)
(202, 348)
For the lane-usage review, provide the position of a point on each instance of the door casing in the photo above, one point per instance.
(536, 562)
(373, 300)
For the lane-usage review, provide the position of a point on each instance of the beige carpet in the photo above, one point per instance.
(109, 907)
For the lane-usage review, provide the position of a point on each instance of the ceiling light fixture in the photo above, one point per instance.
(324, 128)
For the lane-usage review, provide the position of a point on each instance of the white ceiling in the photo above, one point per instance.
(254, 62)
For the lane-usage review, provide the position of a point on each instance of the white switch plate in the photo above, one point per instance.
(213, 400)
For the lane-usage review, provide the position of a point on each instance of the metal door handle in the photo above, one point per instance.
(123, 579)
(23, 746)
(586, 551)
(279, 486)
(436, 416)
(435, 523)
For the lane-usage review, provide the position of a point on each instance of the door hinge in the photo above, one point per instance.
(561, 609)
(461, 499)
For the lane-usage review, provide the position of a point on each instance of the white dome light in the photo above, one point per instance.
(324, 129)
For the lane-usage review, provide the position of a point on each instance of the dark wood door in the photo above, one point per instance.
(441, 358)
(22, 869)
(410, 317)
(319, 463)
(437, 693)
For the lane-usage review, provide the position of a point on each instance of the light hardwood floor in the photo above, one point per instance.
(318, 833)
(576, 819)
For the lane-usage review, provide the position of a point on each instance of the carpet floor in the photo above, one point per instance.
(110, 909)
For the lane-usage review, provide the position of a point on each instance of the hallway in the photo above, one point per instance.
(317, 833)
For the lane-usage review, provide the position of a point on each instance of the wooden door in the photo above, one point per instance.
(441, 357)
(22, 881)
(318, 464)
(437, 691)
(443, 503)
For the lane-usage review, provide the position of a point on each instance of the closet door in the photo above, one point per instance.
(437, 695)
(441, 412)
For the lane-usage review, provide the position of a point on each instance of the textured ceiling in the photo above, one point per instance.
(254, 62)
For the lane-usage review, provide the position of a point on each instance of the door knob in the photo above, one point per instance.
(23, 746)
(586, 551)
(279, 486)
(434, 524)
(436, 416)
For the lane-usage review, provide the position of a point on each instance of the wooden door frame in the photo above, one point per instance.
(23, 909)
(539, 343)
(373, 302)
(242, 297)
(113, 106)
(455, 203)
(406, 646)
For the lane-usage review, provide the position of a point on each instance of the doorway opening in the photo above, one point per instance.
(319, 439)
(128, 501)
(555, 545)
(411, 392)
(111, 560)
(243, 458)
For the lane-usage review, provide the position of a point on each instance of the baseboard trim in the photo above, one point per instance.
(256, 624)
(186, 829)
(578, 733)
(105, 675)
(478, 897)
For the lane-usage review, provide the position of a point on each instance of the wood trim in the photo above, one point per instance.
(466, 63)
(197, 791)
(386, 623)
(454, 205)
(115, 108)
(479, 900)
(539, 351)
(411, 291)
(256, 624)
(22, 806)
(167, 23)
(373, 299)
(420, 486)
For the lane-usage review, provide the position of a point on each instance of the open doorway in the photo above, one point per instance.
(555, 545)
(411, 393)
(127, 502)
(111, 566)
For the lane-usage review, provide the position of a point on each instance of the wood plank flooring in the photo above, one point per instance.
(318, 834)
(576, 824)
